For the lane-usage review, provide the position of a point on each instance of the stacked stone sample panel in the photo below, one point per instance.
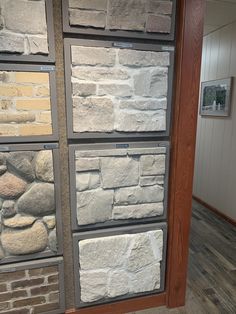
(133, 18)
(29, 208)
(31, 288)
(111, 186)
(27, 103)
(110, 266)
(26, 30)
(117, 91)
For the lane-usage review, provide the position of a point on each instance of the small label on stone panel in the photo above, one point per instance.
(122, 45)
(122, 145)
(168, 48)
(50, 146)
(47, 68)
(4, 149)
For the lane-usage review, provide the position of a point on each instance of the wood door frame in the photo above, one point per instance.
(190, 18)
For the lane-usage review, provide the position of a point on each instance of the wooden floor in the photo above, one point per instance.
(212, 267)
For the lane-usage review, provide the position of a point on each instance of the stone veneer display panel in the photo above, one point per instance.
(116, 186)
(27, 103)
(119, 265)
(32, 288)
(118, 91)
(27, 205)
(133, 18)
(25, 29)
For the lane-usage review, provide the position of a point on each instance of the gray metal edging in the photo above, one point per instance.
(121, 222)
(39, 264)
(122, 33)
(57, 193)
(68, 42)
(111, 232)
(50, 58)
(53, 100)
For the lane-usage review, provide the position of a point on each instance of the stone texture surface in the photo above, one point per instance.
(23, 111)
(23, 27)
(116, 184)
(119, 90)
(25, 291)
(27, 204)
(128, 15)
(120, 265)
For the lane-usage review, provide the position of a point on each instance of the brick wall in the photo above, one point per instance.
(25, 108)
(29, 291)
(23, 27)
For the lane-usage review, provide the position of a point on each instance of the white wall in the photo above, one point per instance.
(215, 165)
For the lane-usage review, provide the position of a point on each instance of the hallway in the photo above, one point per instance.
(212, 267)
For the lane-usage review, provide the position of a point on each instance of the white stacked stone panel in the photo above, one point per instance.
(119, 265)
(119, 90)
(23, 27)
(119, 184)
(144, 16)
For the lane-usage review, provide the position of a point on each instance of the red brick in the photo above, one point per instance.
(12, 276)
(45, 308)
(3, 287)
(43, 271)
(27, 283)
(4, 306)
(12, 295)
(29, 301)
(44, 289)
(53, 279)
(54, 297)
(18, 311)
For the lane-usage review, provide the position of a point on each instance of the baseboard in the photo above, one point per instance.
(215, 211)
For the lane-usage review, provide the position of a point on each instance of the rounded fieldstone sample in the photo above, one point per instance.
(8, 209)
(3, 169)
(20, 162)
(19, 221)
(26, 241)
(50, 221)
(52, 240)
(11, 186)
(44, 166)
(38, 200)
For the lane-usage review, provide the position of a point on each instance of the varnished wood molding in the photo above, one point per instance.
(216, 211)
(123, 307)
(187, 78)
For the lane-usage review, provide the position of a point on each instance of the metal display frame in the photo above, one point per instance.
(57, 194)
(111, 232)
(68, 42)
(58, 261)
(117, 33)
(53, 100)
(114, 146)
(50, 58)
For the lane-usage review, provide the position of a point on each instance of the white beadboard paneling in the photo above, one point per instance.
(215, 163)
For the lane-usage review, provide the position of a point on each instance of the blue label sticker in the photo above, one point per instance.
(122, 145)
(47, 68)
(122, 45)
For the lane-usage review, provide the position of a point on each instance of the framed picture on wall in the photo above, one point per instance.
(216, 98)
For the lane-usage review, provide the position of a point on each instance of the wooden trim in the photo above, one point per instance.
(215, 211)
(188, 65)
(122, 307)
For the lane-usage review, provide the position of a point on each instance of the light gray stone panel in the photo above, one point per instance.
(11, 43)
(119, 172)
(87, 181)
(143, 105)
(118, 283)
(120, 90)
(87, 164)
(159, 7)
(152, 165)
(98, 5)
(98, 56)
(99, 74)
(139, 195)
(158, 24)
(151, 180)
(94, 206)
(138, 58)
(137, 211)
(84, 89)
(38, 45)
(87, 18)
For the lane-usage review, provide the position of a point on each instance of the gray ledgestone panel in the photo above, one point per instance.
(27, 203)
(122, 184)
(127, 15)
(119, 90)
(23, 27)
(120, 265)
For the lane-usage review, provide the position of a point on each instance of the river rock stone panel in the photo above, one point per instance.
(120, 265)
(144, 16)
(27, 204)
(119, 184)
(23, 27)
(30, 290)
(25, 106)
(119, 90)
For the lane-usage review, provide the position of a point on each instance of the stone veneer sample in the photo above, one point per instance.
(30, 290)
(27, 204)
(23, 27)
(145, 16)
(120, 265)
(25, 106)
(119, 184)
(120, 90)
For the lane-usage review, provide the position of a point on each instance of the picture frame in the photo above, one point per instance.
(215, 99)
